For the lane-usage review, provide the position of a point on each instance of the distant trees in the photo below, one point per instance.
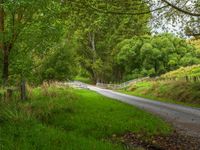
(154, 55)
(111, 43)
(96, 34)
(108, 40)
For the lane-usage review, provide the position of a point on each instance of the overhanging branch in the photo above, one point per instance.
(123, 13)
(180, 9)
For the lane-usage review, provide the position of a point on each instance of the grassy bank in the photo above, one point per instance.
(178, 92)
(190, 73)
(60, 118)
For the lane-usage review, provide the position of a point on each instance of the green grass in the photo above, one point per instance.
(195, 42)
(58, 118)
(83, 79)
(181, 73)
(177, 92)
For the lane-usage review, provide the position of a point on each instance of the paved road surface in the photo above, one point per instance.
(185, 119)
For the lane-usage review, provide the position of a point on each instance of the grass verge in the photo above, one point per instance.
(177, 92)
(60, 118)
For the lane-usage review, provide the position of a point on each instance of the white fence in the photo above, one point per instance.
(122, 85)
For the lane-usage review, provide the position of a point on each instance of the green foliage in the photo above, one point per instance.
(155, 55)
(83, 79)
(60, 65)
(97, 35)
(51, 40)
(181, 73)
(31, 30)
(59, 118)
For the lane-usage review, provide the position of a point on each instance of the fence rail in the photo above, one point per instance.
(126, 84)
(122, 85)
(184, 78)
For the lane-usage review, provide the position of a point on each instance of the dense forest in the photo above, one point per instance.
(58, 40)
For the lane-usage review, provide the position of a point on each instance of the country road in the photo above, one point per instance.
(185, 119)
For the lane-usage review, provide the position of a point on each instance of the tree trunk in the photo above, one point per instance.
(155, 68)
(93, 41)
(1, 22)
(93, 47)
(3, 46)
(9, 94)
(5, 66)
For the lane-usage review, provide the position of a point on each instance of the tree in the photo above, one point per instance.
(28, 26)
(175, 12)
(141, 56)
(60, 65)
(97, 35)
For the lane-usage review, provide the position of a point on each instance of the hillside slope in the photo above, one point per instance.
(180, 86)
(190, 73)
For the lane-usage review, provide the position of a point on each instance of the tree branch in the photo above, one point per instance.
(123, 13)
(180, 9)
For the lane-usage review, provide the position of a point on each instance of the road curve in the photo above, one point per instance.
(185, 119)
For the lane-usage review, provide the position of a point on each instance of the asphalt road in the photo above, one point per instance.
(185, 119)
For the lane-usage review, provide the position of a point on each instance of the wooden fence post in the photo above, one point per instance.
(23, 90)
(8, 94)
(187, 79)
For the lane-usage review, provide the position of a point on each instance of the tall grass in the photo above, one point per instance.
(60, 118)
(190, 73)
